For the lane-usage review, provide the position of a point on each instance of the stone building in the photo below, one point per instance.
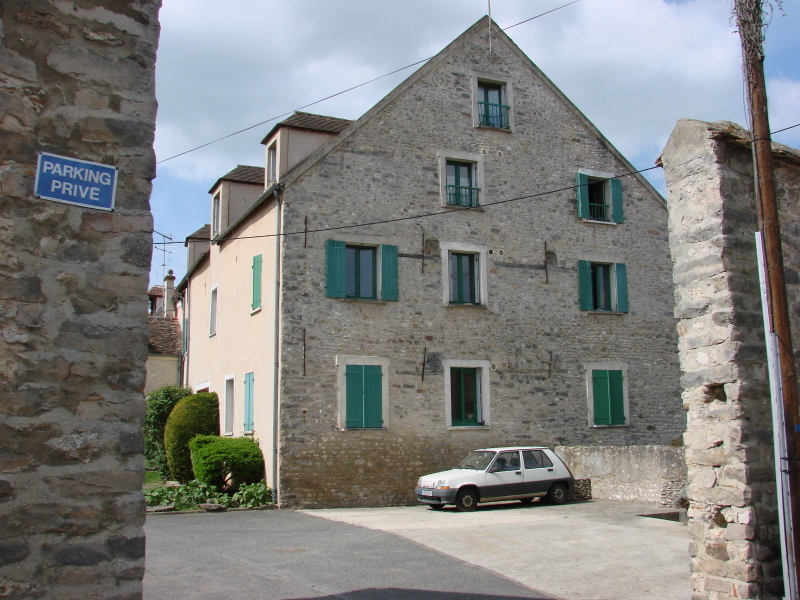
(470, 263)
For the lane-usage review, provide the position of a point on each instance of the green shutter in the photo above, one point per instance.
(617, 213)
(389, 287)
(585, 285)
(354, 397)
(622, 287)
(600, 393)
(373, 396)
(616, 398)
(256, 282)
(248, 402)
(582, 182)
(334, 272)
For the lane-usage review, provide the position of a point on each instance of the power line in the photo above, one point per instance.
(408, 218)
(419, 62)
(785, 129)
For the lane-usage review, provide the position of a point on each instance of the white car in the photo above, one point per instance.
(493, 474)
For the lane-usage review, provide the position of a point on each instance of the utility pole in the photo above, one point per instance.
(749, 17)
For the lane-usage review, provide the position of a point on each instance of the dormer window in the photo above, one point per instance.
(272, 164)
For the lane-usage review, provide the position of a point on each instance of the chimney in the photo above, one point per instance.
(169, 291)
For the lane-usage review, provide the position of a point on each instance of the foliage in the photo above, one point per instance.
(193, 415)
(159, 404)
(188, 496)
(226, 463)
(151, 477)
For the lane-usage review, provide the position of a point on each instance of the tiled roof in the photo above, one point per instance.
(303, 120)
(156, 290)
(165, 336)
(242, 174)
(204, 233)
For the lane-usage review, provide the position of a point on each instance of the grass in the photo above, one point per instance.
(152, 479)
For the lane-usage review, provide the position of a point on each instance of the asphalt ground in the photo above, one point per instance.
(594, 550)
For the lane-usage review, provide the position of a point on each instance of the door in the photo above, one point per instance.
(504, 478)
(538, 473)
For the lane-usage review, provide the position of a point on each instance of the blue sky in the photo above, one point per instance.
(634, 67)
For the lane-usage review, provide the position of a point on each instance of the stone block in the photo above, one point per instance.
(13, 551)
(737, 531)
(78, 556)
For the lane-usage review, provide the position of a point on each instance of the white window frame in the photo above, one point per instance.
(477, 77)
(443, 156)
(342, 360)
(229, 404)
(482, 272)
(203, 385)
(216, 213)
(484, 401)
(593, 174)
(213, 310)
(272, 164)
(606, 366)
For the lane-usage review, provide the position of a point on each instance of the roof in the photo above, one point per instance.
(303, 120)
(242, 174)
(164, 336)
(156, 290)
(204, 233)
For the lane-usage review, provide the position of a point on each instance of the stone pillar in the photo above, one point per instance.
(169, 295)
(77, 80)
(735, 552)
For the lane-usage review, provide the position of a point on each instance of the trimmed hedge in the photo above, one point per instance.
(193, 415)
(160, 403)
(226, 463)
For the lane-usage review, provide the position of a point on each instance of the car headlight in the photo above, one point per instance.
(442, 485)
(419, 482)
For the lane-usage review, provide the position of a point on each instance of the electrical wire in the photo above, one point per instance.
(350, 89)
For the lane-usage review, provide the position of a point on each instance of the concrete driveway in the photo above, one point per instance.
(596, 550)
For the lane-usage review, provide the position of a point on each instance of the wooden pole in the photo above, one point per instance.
(749, 15)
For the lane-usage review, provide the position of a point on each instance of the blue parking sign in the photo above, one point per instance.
(75, 181)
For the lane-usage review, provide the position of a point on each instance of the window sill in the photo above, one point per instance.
(490, 128)
(364, 429)
(481, 306)
(228, 434)
(598, 222)
(478, 208)
(467, 427)
(605, 312)
(365, 300)
(255, 310)
(608, 426)
(248, 433)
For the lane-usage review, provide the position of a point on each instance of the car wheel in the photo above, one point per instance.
(557, 494)
(436, 506)
(466, 500)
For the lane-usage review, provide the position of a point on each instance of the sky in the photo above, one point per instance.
(633, 67)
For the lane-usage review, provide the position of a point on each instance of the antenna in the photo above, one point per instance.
(490, 26)
(164, 251)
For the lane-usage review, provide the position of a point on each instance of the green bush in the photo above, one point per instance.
(193, 415)
(188, 496)
(159, 404)
(252, 495)
(226, 463)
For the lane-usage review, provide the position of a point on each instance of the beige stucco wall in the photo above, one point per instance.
(294, 146)
(162, 369)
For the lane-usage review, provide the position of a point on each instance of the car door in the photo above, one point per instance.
(538, 473)
(504, 477)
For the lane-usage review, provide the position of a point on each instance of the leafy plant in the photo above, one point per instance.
(160, 403)
(226, 463)
(187, 496)
(252, 495)
(193, 415)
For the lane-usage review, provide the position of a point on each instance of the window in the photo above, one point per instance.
(212, 314)
(272, 164)
(363, 391)
(460, 184)
(465, 275)
(227, 424)
(256, 303)
(599, 197)
(352, 271)
(603, 286)
(492, 101)
(466, 392)
(249, 394)
(492, 109)
(607, 390)
(215, 216)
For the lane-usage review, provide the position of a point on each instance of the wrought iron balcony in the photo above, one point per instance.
(493, 115)
(459, 195)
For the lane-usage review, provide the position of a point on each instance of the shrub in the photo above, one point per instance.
(252, 495)
(186, 497)
(193, 415)
(226, 463)
(159, 404)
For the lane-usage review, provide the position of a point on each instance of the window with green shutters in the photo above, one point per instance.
(364, 396)
(608, 397)
(464, 278)
(599, 199)
(464, 396)
(256, 303)
(249, 394)
(603, 286)
(361, 272)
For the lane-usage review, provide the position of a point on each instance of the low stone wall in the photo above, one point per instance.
(655, 474)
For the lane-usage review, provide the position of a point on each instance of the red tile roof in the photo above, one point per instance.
(165, 336)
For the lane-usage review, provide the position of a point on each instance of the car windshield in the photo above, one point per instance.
(477, 459)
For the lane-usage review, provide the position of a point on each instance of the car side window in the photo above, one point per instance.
(536, 459)
(506, 461)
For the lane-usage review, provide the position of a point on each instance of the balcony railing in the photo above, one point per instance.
(598, 212)
(459, 195)
(493, 115)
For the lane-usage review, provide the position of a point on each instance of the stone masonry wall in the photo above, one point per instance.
(729, 450)
(532, 329)
(76, 79)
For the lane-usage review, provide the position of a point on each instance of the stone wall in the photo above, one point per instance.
(729, 450)
(76, 79)
(655, 474)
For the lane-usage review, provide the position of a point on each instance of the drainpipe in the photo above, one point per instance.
(276, 345)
